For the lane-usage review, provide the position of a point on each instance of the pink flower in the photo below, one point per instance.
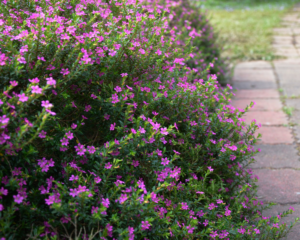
(80, 149)
(135, 163)
(165, 161)
(184, 206)
(73, 126)
(42, 134)
(211, 206)
(142, 51)
(51, 81)
(18, 198)
(23, 97)
(36, 89)
(73, 178)
(97, 179)
(34, 80)
(145, 225)
(65, 71)
(108, 165)
(214, 77)
(164, 131)
(64, 142)
(179, 61)
(133, 131)
(118, 89)
(13, 83)
(112, 127)
(91, 149)
(69, 135)
(210, 168)
(46, 104)
(124, 74)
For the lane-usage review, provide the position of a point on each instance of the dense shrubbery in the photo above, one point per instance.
(107, 134)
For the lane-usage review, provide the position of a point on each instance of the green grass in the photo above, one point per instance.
(288, 110)
(245, 27)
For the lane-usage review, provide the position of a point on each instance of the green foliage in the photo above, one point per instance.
(108, 133)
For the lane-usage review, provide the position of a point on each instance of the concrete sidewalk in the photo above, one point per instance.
(275, 86)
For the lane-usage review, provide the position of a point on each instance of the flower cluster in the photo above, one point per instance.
(113, 124)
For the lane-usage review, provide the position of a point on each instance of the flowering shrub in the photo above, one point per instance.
(107, 134)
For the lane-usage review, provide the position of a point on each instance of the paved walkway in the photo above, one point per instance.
(275, 86)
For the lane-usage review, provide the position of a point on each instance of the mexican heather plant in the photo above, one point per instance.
(106, 133)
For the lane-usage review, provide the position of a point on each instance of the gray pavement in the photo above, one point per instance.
(275, 87)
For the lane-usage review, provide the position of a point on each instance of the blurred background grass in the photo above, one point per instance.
(245, 27)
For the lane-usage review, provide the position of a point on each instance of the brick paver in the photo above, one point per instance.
(275, 135)
(276, 156)
(266, 118)
(260, 104)
(258, 93)
(280, 186)
(262, 75)
(278, 163)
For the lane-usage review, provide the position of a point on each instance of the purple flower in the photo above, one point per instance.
(210, 169)
(18, 198)
(46, 104)
(73, 192)
(73, 178)
(3, 191)
(23, 97)
(164, 131)
(184, 206)
(73, 126)
(1, 209)
(241, 230)
(36, 89)
(123, 198)
(112, 127)
(165, 161)
(145, 225)
(108, 165)
(97, 179)
(214, 77)
(105, 202)
(34, 80)
(124, 74)
(133, 131)
(87, 108)
(4, 121)
(80, 149)
(91, 149)
(219, 201)
(190, 229)
(135, 163)
(233, 148)
(45, 164)
(211, 206)
(50, 81)
(106, 116)
(142, 130)
(130, 233)
(69, 135)
(13, 83)
(118, 89)
(65, 71)
(64, 142)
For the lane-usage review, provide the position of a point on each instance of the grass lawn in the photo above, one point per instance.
(245, 26)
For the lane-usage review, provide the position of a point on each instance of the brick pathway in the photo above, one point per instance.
(275, 86)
